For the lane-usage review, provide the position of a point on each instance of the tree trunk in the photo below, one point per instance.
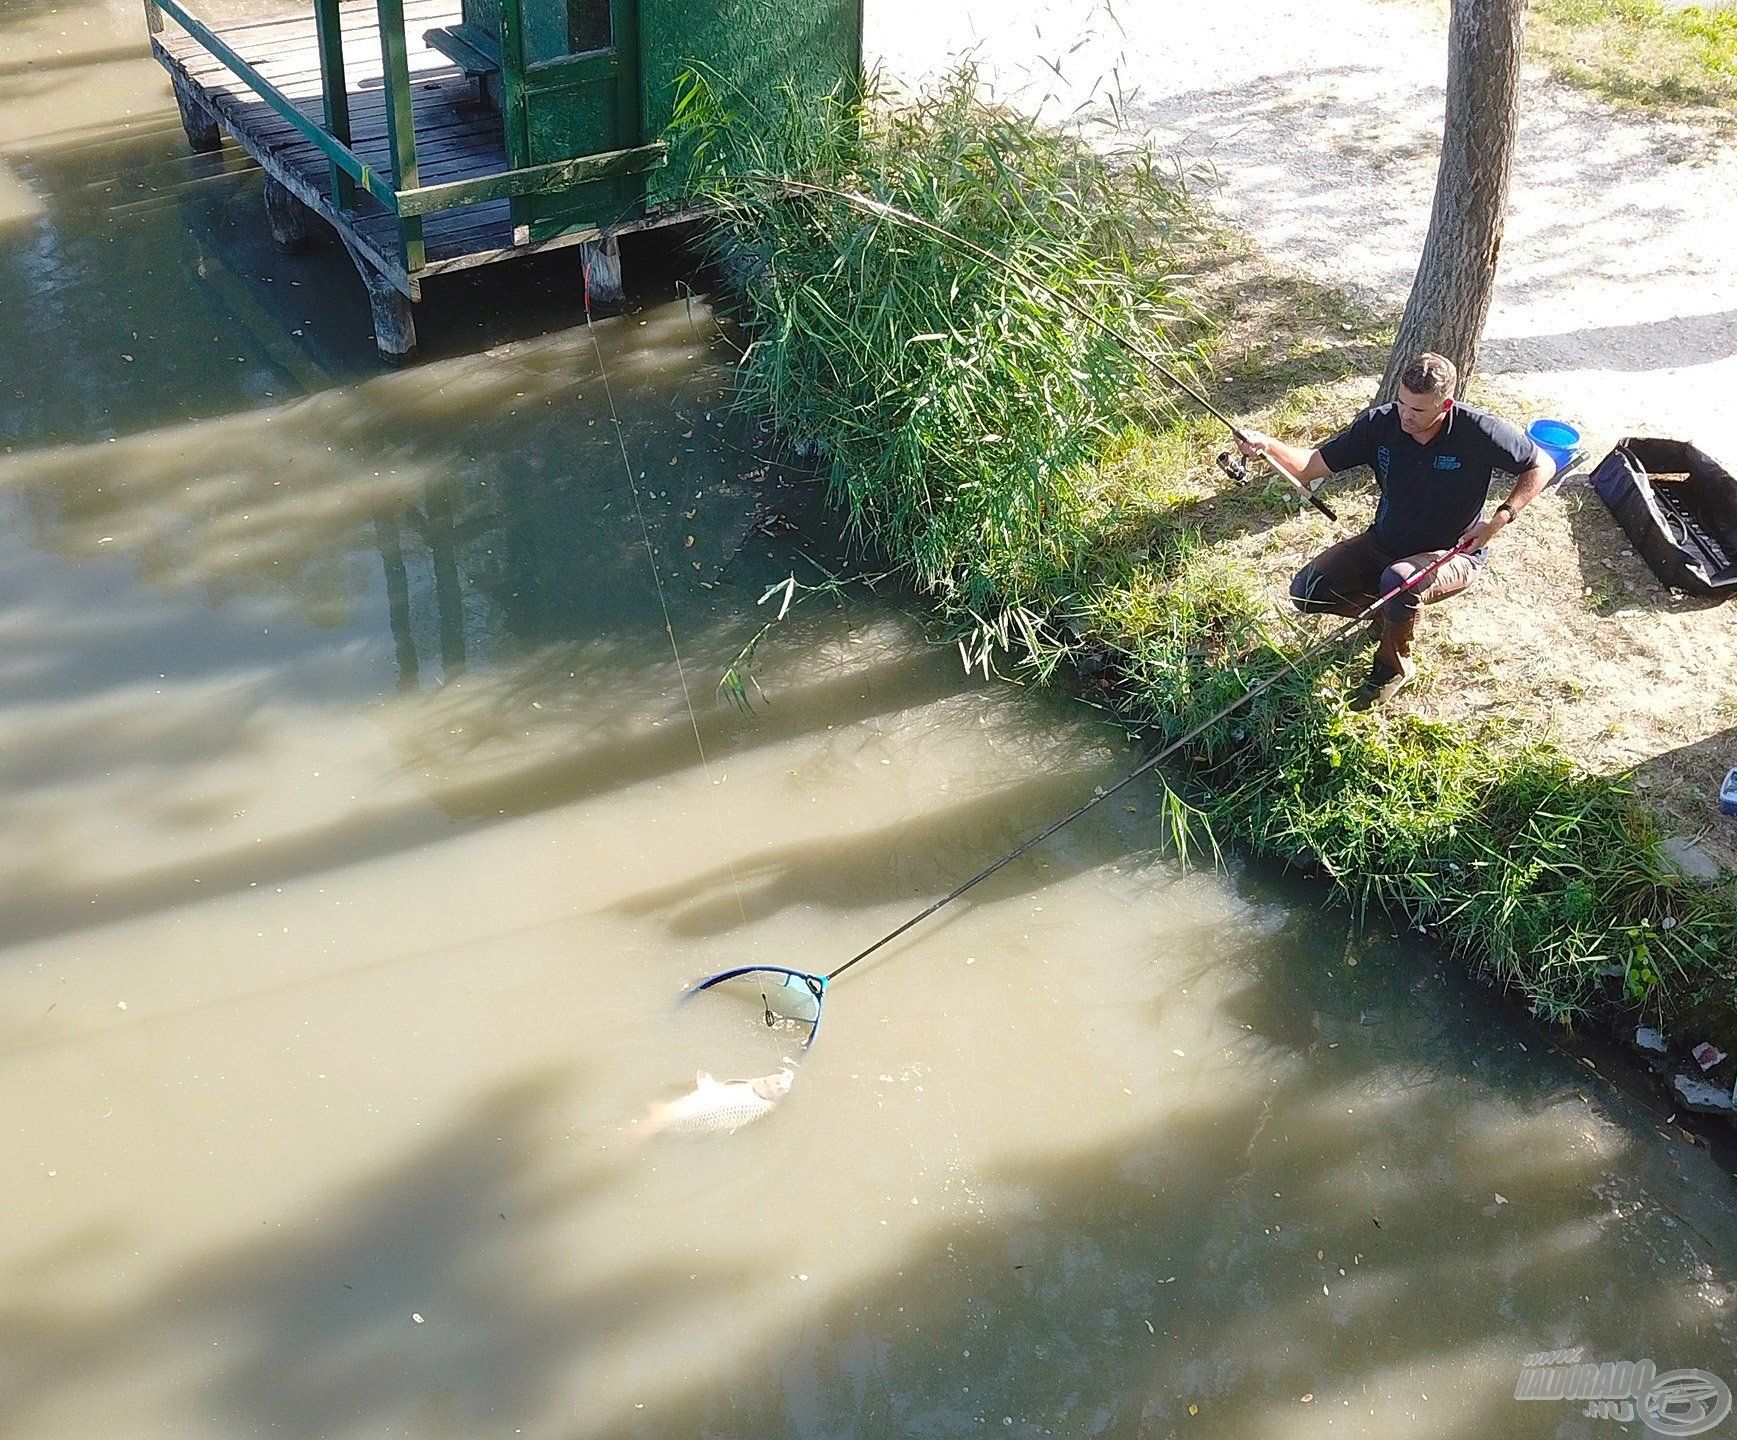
(1450, 298)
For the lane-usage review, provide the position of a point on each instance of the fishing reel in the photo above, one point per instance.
(1236, 467)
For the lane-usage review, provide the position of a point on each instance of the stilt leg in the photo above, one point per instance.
(291, 222)
(394, 314)
(394, 321)
(602, 261)
(199, 123)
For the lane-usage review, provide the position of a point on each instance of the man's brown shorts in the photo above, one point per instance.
(1349, 577)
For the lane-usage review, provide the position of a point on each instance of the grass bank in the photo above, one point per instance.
(1640, 52)
(1061, 512)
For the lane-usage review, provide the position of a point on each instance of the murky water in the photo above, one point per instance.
(356, 843)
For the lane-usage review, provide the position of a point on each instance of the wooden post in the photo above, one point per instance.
(394, 315)
(153, 17)
(513, 110)
(602, 260)
(199, 123)
(334, 93)
(291, 223)
(394, 318)
(400, 122)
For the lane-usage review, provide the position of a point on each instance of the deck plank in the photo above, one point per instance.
(456, 137)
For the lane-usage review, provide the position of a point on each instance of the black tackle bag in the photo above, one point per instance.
(1679, 506)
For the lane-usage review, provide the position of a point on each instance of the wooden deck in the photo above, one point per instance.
(457, 137)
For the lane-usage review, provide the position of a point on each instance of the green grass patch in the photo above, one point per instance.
(1639, 52)
(1054, 504)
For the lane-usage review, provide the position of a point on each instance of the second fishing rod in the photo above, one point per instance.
(1231, 464)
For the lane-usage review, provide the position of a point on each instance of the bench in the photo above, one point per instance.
(473, 50)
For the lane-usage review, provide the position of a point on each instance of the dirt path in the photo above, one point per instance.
(1616, 309)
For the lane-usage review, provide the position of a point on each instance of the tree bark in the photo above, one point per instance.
(1450, 297)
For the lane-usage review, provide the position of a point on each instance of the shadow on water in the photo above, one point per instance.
(142, 285)
(481, 587)
(946, 846)
(18, 14)
(49, 68)
(234, 544)
(1379, 1120)
(307, 1329)
(1468, 1191)
(469, 526)
(143, 279)
(448, 554)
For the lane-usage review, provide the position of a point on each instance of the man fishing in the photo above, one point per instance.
(1433, 461)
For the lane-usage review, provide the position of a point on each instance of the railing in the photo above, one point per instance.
(402, 196)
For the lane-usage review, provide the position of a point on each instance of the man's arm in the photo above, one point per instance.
(1301, 465)
(1528, 486)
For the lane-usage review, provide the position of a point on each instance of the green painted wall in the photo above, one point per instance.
(585, 104)
(759, 44)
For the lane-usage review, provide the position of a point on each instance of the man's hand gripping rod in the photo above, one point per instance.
(1237, 468)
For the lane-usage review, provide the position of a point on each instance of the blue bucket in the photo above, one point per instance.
(1557, 439)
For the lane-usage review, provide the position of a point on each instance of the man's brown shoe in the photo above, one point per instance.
(1383, 684)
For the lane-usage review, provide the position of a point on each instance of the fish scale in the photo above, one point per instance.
(719, 1106)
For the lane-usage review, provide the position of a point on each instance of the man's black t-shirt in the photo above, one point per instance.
(1430, 494)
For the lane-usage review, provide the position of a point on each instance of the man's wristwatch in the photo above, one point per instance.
(1506, 509)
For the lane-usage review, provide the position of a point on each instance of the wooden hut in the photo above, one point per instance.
(436, 135)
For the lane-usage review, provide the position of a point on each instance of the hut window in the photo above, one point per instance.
(555, 29)
(588, 25)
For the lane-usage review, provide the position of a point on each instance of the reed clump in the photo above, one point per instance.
(977, 437)
(957, 408)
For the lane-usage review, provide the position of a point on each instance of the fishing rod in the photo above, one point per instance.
(1231, 465)
(811, 987)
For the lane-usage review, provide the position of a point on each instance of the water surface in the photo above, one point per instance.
(357, 843)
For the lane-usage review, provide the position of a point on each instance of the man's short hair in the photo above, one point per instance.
(1429, 374)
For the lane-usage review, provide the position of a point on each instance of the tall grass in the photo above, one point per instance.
(957, 409)
(1548, 875)
(978, 437)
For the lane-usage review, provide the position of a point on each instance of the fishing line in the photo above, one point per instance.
(812, 987)
(656, 577)
(801, 994)
(1161, 755)
(872, 206)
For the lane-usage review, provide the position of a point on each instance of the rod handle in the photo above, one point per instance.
(1301, 489)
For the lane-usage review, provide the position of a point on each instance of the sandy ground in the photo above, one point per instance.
(1317, 126)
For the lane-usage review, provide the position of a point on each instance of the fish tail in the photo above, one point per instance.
(651, 1123)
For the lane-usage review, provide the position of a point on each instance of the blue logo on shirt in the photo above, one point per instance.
(1381, 460)
(1447, 462)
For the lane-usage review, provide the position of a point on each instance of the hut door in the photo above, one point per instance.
(578, 95)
